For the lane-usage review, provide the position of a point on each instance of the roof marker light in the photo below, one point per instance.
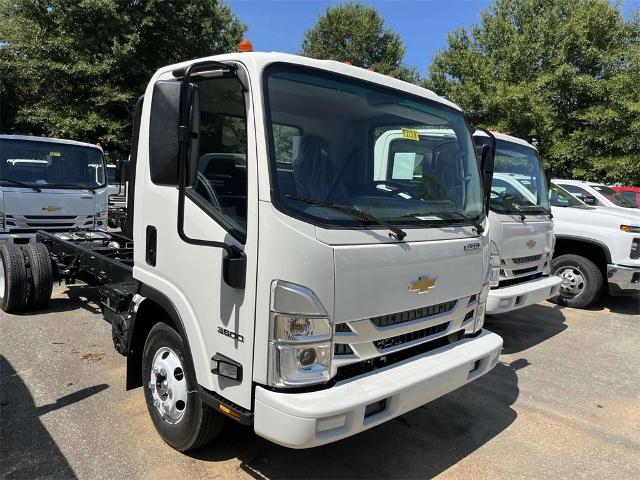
(245, 46)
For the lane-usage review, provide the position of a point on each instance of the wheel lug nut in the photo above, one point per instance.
(152, 385)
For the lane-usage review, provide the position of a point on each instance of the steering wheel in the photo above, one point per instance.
(213, 198)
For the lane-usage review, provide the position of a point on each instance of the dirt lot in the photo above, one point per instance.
(563, 402)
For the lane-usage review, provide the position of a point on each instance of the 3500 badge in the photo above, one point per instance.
(230, 334)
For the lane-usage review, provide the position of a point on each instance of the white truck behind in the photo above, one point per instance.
(51, 185)
(596, 249)
(266, 275)
(520, 226)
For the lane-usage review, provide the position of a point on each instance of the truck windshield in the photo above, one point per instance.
(614, 197)
(406, 160)
(50, 165)
(516, 166)
(559, 197)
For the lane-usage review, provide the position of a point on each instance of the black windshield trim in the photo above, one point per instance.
(267, 122)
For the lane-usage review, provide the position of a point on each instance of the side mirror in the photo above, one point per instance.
(122, 167)
(589, 199)
(486, 167)
(170, 140)
(163, 133)
(548, 173)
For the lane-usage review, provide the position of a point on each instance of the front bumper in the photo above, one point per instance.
(304, 420)
(623, 278)
(505, 299)
(17, 237)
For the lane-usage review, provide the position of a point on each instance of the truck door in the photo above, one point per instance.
(220, 206)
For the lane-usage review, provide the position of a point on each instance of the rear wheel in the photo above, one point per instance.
(171, 392)
(581, 281)
(13, 279)
(41, 282)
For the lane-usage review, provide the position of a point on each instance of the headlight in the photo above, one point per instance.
(301, 335)
(630, 228)
(494, 263)
(482, 306)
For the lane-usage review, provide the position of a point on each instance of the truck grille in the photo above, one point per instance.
(410, 337)
(26, 223)
(532, 258)
(369, 343)
(409, 315)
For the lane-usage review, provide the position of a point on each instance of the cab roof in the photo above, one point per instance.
(505, 137)
(260, 60)
(30, 138)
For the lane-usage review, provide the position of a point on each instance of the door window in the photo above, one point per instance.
(221, 183)
(581, 194)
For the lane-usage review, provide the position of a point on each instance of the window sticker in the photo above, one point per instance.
(54, 154)
(403, 165)
(410, 134)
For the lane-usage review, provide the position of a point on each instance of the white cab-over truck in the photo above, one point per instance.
(266, 275)
(595, 248)
(49, 184)
(520, 226)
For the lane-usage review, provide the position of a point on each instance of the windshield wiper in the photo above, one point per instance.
(71, 185)
(396, 232)
(476, 225)
(21, 184)
(533, 208)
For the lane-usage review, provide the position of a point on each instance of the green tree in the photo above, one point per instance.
(563, 71)
(75, 68)
(355, 33)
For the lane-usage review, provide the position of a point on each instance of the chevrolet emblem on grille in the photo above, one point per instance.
(422, 284)
(51, 208)
(531, 244)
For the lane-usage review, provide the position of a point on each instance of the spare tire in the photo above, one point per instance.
(41, 281)
(13, 279)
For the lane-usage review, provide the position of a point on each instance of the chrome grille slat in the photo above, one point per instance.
(391, 342)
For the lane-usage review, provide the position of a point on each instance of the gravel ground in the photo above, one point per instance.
(563, 402)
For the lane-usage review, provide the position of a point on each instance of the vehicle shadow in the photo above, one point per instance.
(527, 327)
(72, 298)
(624, 305)
(419, 444)
(26, 448)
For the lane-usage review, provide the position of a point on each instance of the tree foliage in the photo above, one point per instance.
(566, 72)
(356, 33)
(75, 68)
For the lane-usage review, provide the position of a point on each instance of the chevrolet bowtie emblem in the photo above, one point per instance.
(531, 244)
(422, 284)
(51, 208)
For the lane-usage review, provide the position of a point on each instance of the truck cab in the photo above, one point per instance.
(49, 184)
(268, 275)
(521, 227)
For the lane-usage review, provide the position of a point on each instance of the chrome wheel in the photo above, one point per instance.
(168, 385)
(573, 281)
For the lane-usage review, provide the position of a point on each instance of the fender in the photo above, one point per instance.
(590, 241)
(139, 329)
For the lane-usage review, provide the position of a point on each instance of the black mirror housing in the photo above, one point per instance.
(163, 133)
(122, 167)
(486, 166)
(548, 173)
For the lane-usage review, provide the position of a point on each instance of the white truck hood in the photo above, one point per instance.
(49, 202)
(517, 238)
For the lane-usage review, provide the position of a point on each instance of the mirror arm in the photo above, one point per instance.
(234, 264)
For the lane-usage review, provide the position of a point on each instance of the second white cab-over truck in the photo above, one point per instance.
(266, 274)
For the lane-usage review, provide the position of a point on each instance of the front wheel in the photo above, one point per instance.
(581, 281)
(171, 392)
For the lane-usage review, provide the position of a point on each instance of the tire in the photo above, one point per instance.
(13, 279)
(41, 281)
(581, 281)
(196, 424)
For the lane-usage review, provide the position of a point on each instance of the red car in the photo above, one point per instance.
(632, 193)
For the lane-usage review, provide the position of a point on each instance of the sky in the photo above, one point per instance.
(279, 25)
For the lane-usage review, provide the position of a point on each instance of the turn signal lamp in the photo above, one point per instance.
(245, 46)
(630, 228)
